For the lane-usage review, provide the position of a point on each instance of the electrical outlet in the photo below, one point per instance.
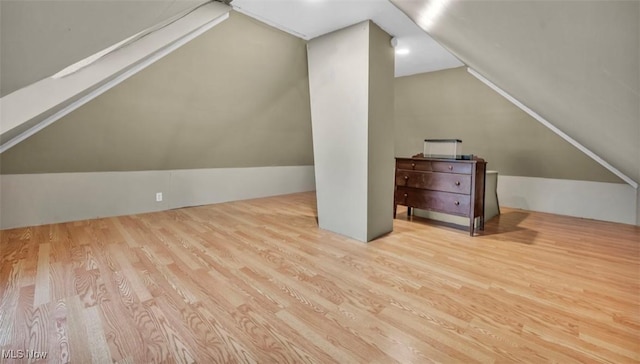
(159, 197)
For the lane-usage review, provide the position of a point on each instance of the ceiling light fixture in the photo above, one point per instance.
(402, 51)
(394, 42)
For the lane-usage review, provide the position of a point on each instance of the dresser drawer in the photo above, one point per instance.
(435, 166)
(448, 182)
(452, 167)
(413, 165)
(451, 203)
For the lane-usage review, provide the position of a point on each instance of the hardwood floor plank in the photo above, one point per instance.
(512, 347)
(236, 347)
(100, 352)
(166, 279)
(123, 227)
(180, 248)
(155, 347)
(198, 334)
(58, 350)
(130, 273)
(339, 335)
(257, 281)
(62, 280)
(42, 292)
(176, 343)
(9, 305)
(89, 287)
(438, 335)
(79, 350)
(21, 316)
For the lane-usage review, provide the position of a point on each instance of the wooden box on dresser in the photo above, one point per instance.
(449, 186)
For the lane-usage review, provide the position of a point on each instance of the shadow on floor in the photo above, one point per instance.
(506, 226)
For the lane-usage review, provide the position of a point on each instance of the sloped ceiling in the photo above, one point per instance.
(32, 107)
(576, 63)
(41, 37)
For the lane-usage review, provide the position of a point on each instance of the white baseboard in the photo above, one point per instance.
(191, 187)
(37, 199)
(594, 200)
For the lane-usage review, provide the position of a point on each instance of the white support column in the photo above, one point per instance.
(351, 88)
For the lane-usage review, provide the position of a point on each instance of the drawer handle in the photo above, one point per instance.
(405, 195)
(457, 203)
(457, 183)
(450, 167)
(406, 177)
(413, 165)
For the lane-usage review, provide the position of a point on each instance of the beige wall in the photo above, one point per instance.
(237, 96)
(41, 37)
(454, 104)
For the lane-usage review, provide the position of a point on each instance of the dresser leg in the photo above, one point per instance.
(408, 211)
(395, 208)
(482, 222)
(472, 226)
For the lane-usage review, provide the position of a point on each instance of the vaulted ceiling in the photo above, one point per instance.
(127, 37)
(574, 63)
(40, 38)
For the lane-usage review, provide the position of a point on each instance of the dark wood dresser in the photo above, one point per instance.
(443, 185)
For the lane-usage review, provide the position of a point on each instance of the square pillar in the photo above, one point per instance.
(351, 74)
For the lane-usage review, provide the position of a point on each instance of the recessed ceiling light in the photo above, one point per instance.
(402, 51)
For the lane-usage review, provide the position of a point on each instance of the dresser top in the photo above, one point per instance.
(419, 157)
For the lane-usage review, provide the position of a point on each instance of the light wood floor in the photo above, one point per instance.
(257, 281)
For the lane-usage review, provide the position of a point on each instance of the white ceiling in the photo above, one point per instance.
(308, 19)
